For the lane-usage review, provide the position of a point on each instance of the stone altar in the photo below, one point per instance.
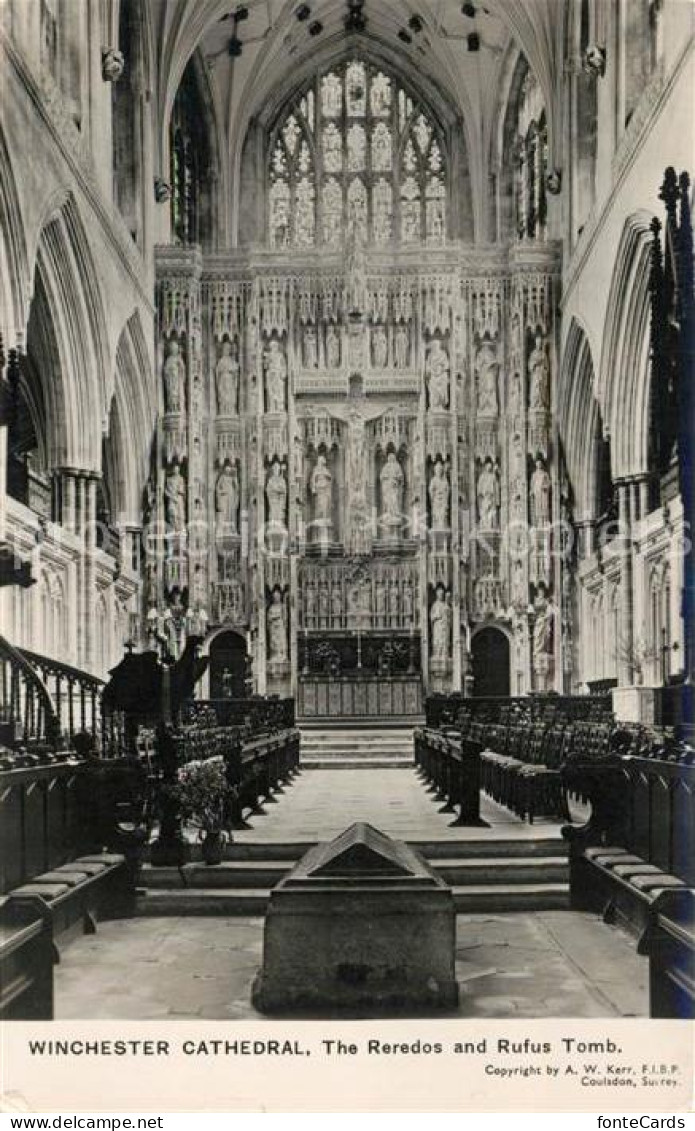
(359, 924)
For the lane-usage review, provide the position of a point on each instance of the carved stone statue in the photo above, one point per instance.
(174, 377)
(227, 381)
(175, 500)
(408, 604)
(197, 397)
(540, 495)
(542, 633)
(227, 498)
(439, 497)
(310, 606)
(392, 480)
(322, 490)
(437, 373)
(539, 377)
(380, 347)
(336, 606)
(380, 602)
(487, 367)
(356, 457)
(276, 493)
(519, 595)
(332, 347)
(277, 629)
(276, 378)
(394, 604)
(311, 356)
(324, 605)
(516, 396)
(356, 271)
(440, 622)
(488, 496)
(402, 346)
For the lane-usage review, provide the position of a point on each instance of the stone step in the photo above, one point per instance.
(348, 762)
(262, 874)
(538, 846)
(520, 870)
(468, 898)
(354, 747)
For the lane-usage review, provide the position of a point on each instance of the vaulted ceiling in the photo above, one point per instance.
(276, 44)
(467, 52)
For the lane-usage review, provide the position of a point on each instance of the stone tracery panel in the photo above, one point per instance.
(356, 149)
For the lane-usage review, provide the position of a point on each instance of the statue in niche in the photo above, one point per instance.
(394, 604)
(276, 493)
(276, 377)
(197, 397)
(174, 377)
(277, 629)
(540, 495)
(324, 605)
(311, 355)
(310, 606)
(440, 622)
(402, 346)
(175, 500)
(488, 496)
(332, 347)
(337, 605)
(380, 348)
(227, 381)
(380, 602)
(542, 632)
(487, 367)
(357, 457)
(227, 498)
(236, 602)
(539, 377)
(356, 268)
(392, 481)
(518, 585)
(437, 373)
(516, 395)
(517, 503)
(322, 490)
(408, 603)
(439, 497)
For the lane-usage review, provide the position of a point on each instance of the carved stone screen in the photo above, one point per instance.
(356, 467)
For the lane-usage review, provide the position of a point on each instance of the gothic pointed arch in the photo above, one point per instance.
(67, 342)
(581, 426)
(15, 278)
(131, 418)
(623, 387)
(356, 140)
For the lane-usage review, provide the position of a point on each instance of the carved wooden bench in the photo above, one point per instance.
(26, 963)
(76, 895)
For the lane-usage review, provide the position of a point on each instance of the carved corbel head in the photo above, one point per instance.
(594, 60)
(162, 190)
(112, 64)
(553, 181)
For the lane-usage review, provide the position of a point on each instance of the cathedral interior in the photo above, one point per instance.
(346, 391)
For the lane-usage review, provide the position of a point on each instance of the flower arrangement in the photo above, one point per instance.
(202, 791)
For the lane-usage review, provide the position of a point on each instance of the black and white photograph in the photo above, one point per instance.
(346, 504)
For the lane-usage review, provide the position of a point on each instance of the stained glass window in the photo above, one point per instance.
(356, 148)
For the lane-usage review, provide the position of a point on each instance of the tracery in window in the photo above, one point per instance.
(355, 148)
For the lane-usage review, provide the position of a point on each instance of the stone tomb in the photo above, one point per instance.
(360, 925)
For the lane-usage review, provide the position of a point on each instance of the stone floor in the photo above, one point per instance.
(320, 804)
(542, 964)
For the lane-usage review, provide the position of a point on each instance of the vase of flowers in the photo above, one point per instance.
(202, 794)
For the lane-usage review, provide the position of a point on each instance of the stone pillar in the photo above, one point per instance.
(88, 573)
(625, 630)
